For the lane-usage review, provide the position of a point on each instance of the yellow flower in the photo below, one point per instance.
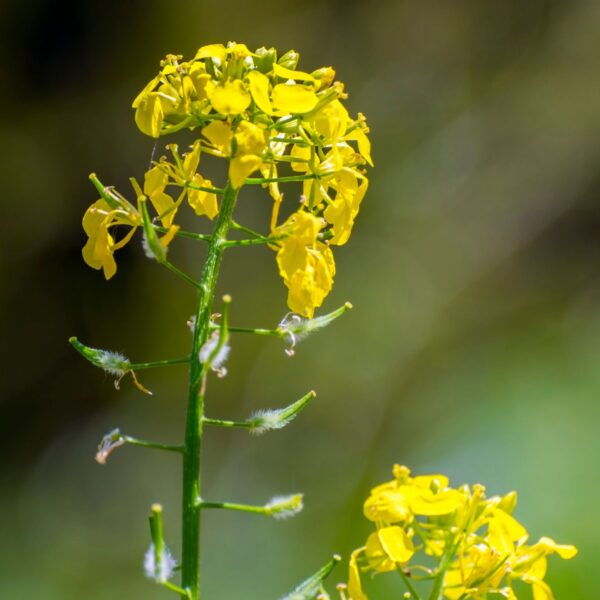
(479, 549)
(386, 503)
(305, 264)
(388, 547)
(101, 245)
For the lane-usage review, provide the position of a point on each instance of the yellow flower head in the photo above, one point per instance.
(479, 549)
(273, 123)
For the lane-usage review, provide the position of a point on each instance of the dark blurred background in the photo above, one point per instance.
(474, 268)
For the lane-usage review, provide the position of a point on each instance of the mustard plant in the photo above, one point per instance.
(275, 126)
(454, 543)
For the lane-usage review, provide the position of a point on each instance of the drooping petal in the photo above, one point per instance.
(355, 590)
(149, 115)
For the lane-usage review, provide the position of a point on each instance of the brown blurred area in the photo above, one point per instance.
(474, 345)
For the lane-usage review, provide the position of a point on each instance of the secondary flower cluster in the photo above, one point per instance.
(474, 543)
(262, 115)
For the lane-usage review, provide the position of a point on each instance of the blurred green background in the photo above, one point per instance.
(474, 268)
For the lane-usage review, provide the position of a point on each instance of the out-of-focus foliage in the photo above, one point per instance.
(474, 345)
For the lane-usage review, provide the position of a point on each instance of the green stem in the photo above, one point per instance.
(190, 565)
(177, 589)
(270, 332)
(201, 188)
(247, 230)
(224, 423)
(261, 180)
(253, 241)
(159, 363)
(155, 445)
(438, 581)
(184, 234)
(233, 506)
(409, 586)
(184, 276)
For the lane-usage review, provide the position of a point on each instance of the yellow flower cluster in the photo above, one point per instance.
(468, 545)
(259, 113)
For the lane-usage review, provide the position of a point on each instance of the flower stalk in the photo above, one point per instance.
(191, 510)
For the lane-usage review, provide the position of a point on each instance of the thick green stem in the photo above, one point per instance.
(190, 564)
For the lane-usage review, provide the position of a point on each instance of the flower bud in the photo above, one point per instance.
(289, 60)
(264, 59)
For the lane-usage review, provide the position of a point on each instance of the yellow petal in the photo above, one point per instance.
(425, 502)
(355, 590)
(259, 88)
(201, 81)
(396, 544)
(301, 152)
(219, 135)
(541, 590)
(212, 51)
(238, 49)
(564, 551)
(294, 98)
(341, 213)
(364, 145)
(250, 138)
(230, 98)
(331, 121)
(241, 167)
(147, 89)
(376, 555)
(94, 217)
(386, 505)
(155, 181)
(164, 205)
(191, 160)
(291, 257)
(166, 239)
(149, 115)
(203, 203)
(503, 531)
(289, 74)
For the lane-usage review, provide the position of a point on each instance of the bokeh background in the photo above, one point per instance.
(474, 346)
